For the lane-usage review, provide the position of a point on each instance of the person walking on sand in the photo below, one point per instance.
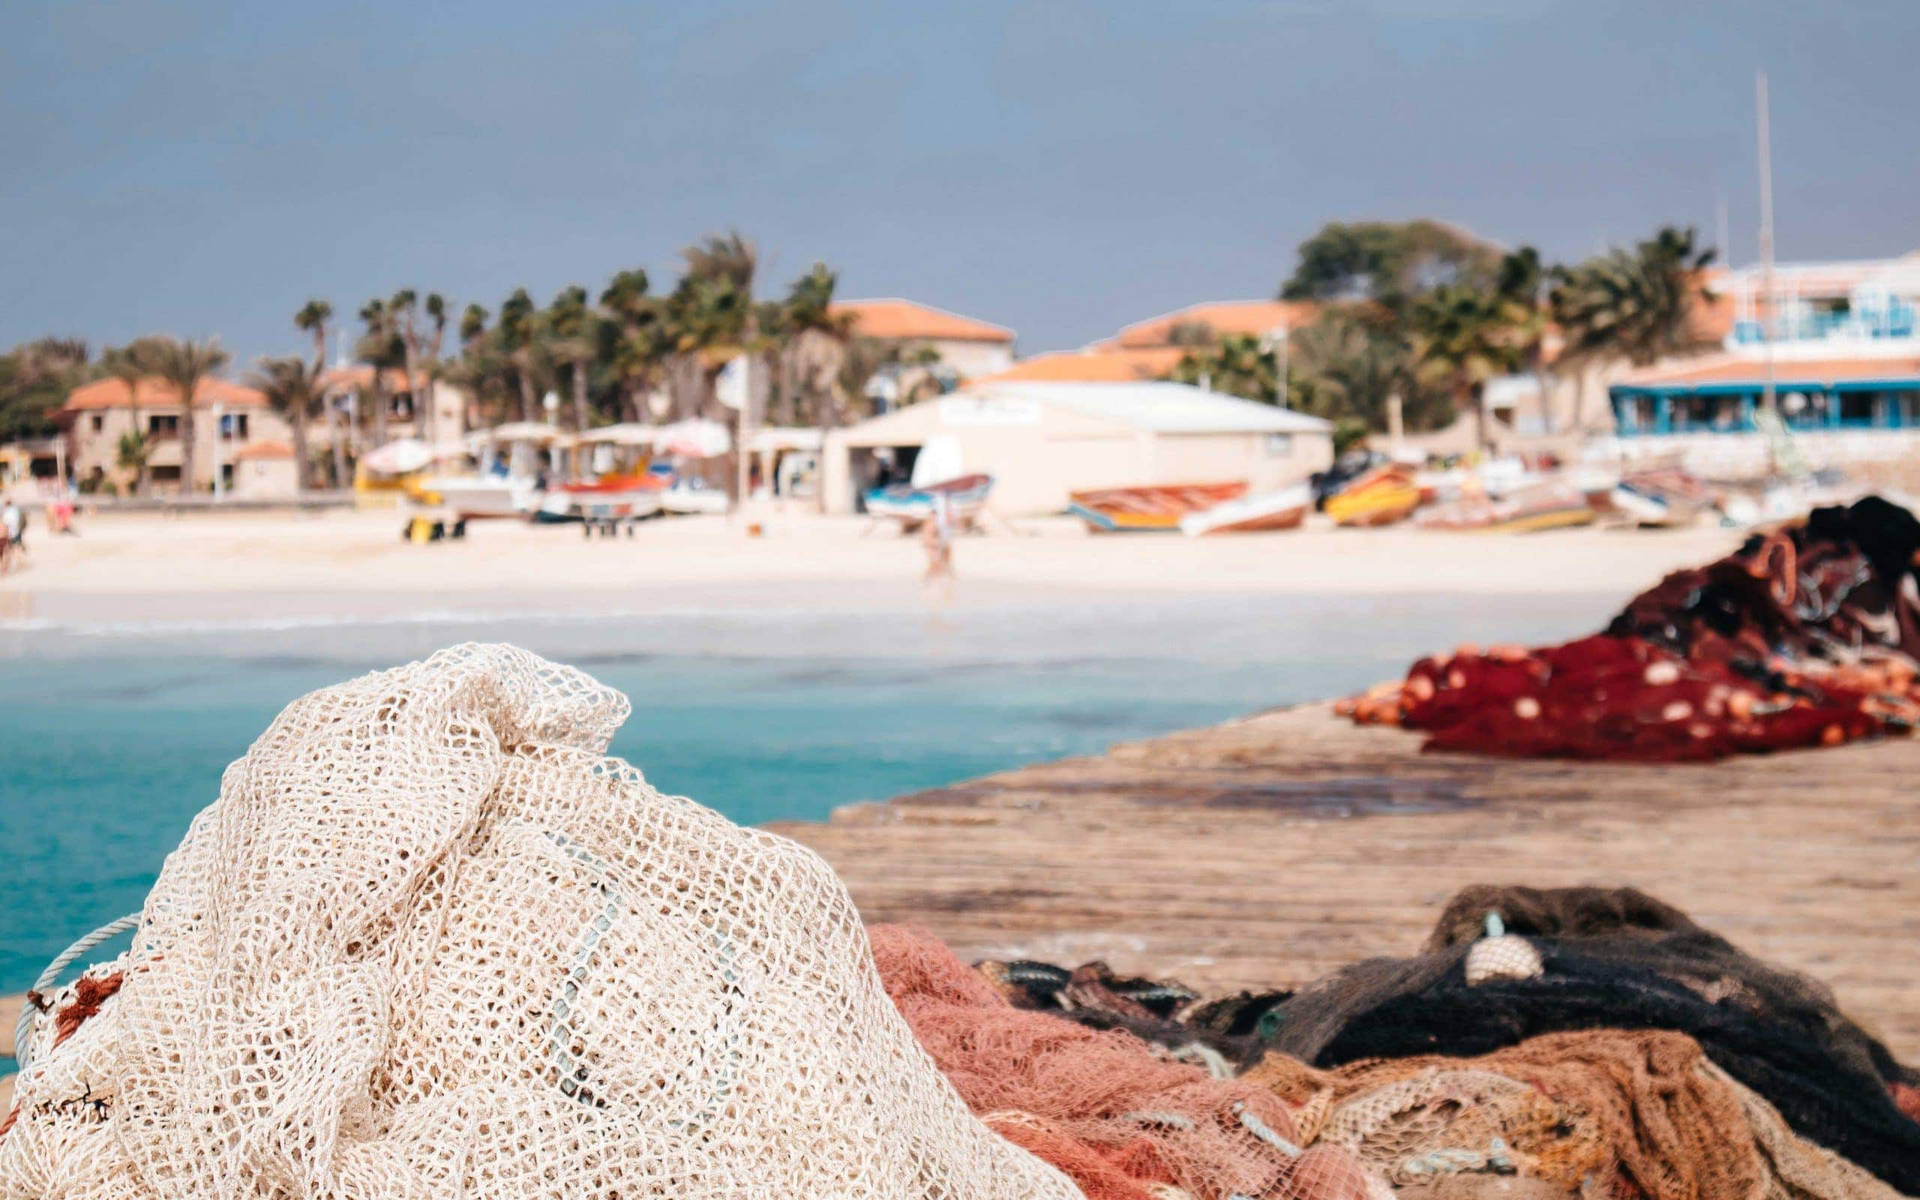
(13, 529)
(936, 535)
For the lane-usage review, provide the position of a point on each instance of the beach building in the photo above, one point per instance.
(228, 417)
(967, 347)
(1044, 439)
(263, 470)
(1844, 363)
(415, 408)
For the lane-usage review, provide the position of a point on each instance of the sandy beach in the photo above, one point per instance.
(205, 567)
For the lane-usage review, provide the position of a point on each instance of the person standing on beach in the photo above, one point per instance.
(936, 535)
(13, 531)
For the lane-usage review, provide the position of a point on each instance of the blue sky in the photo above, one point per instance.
(1064, 168)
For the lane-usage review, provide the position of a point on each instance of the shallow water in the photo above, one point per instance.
(112, 737)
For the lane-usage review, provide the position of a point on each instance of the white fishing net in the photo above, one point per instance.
(429, 943)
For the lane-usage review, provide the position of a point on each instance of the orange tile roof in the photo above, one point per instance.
(360, 375)
(1227, 317)
(271, 448)
(158, 393)
(1730, 368)
(1091, 366)
(905, 320)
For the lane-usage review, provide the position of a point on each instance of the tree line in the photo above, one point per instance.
(1419, 311)
(608, 355)
(1428, 314)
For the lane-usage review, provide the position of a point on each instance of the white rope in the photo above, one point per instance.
(24, 1029)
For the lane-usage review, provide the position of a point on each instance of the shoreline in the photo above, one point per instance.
(355, 564)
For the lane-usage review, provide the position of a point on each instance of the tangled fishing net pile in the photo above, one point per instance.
(1805, 636)
(429, 943)
(1598, 1044)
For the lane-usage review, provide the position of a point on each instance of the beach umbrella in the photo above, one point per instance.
(398, 457)
(625, 434)
(693, 439)
(523, 431)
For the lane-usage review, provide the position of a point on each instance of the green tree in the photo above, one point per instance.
(1349, 364)
(813, 349)
(292, 389)
(34, 381)
(185, 365)
(1388, 261)
(1240, 364)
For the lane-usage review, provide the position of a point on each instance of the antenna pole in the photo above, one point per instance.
(1770, 326)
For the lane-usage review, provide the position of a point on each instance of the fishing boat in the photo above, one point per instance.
(1382, 496)
(514, 458)
(622, 497)
(1553, 505)
(692, 495)
(1157, 508)
(911, 504)
(1283, 509)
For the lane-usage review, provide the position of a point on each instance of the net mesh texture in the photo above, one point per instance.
(430, 943)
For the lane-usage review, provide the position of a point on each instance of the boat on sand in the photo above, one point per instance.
(1286, 508)
(1156, 508)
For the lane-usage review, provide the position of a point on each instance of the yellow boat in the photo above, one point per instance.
(1380, 497)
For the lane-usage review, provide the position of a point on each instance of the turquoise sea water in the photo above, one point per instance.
(112, 737)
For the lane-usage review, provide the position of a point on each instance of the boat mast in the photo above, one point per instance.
(1769, 327)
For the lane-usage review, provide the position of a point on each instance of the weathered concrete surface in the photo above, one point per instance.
(1224, 856)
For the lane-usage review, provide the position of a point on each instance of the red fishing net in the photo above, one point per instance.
(1806, 636)
(1124, 1119)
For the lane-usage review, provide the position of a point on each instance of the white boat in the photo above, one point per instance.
(690, 495)
(469, 497)
(1283, 509)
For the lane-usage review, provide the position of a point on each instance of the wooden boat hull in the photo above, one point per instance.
(1383, 496)
(1284, 509)
(964, 497)
(1151, 509)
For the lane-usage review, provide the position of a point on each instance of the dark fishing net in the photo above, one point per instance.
(1569, 962)
(1646, 968)
(1805, 636)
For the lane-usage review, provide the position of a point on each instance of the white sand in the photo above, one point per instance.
(350, 564)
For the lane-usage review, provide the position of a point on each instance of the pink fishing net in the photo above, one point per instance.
(1124, 1120)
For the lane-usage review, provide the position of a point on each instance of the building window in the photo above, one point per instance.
(233, 427)
(1279, 445)
(163, 426)
(99, 422)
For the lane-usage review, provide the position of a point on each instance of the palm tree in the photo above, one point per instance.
(813, 348)
(382, 349)
(636, 336)
(403, 312)
(573, 326)
(292, 388)
(312, 318)
(1635, 305)
(1462, 337)
(436, 309)
(518, 334)
(125, 364)
(185, 365)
